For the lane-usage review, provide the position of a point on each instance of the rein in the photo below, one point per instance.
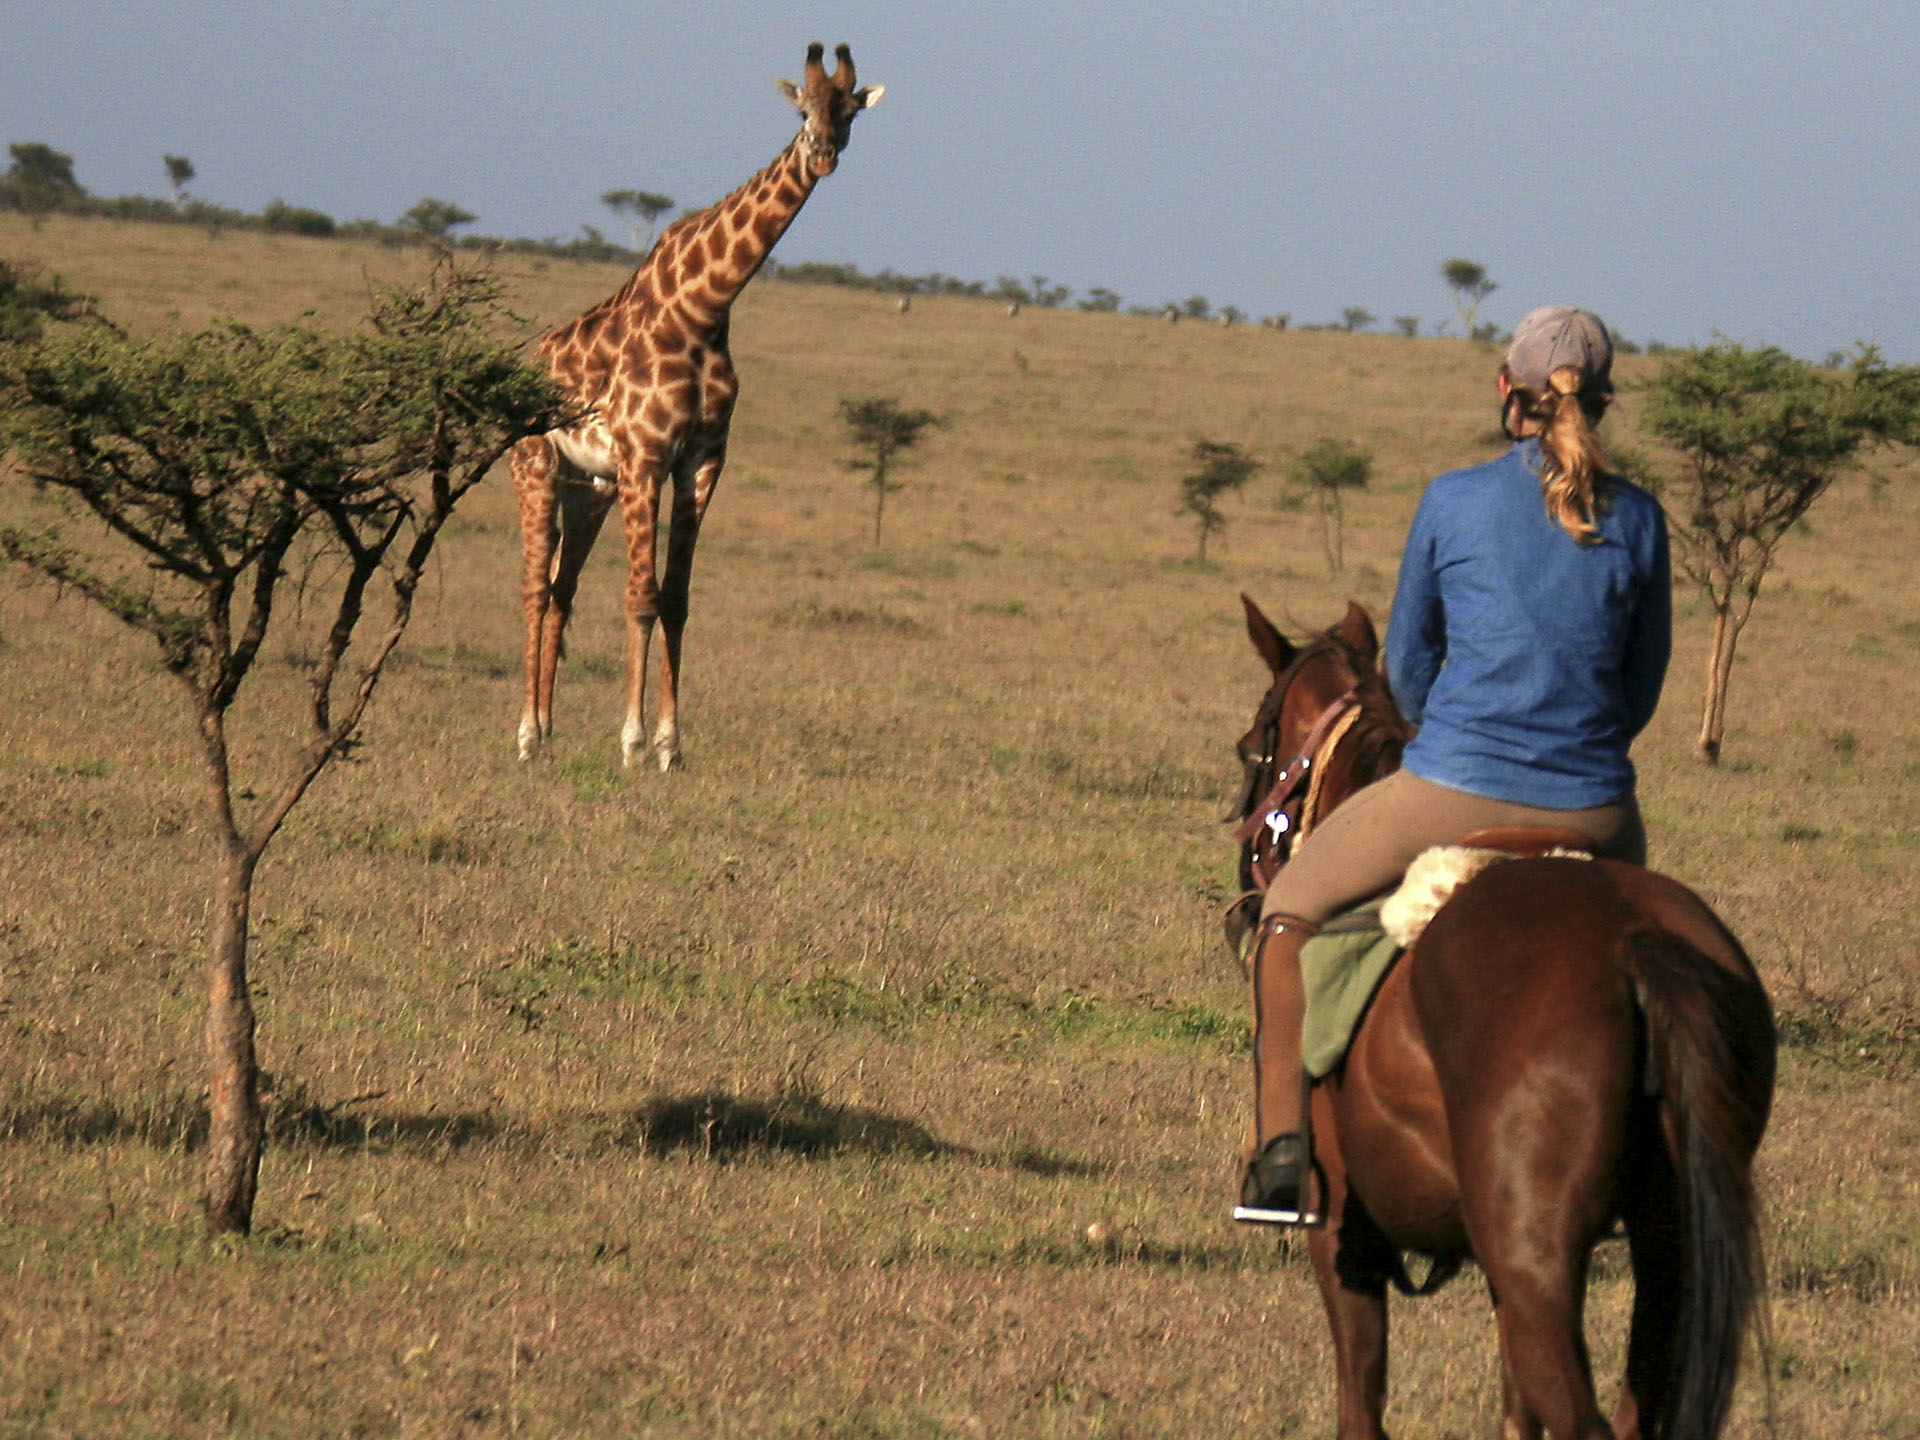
(1298, 779)
(1268, 720)
(1301, 772)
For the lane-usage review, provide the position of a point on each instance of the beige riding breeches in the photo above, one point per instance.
(1366, 844)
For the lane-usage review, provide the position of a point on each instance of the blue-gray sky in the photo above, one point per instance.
(1741, 167)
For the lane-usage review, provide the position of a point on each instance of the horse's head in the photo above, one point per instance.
(1326, 726)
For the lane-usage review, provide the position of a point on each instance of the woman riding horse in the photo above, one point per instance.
(1528, 642)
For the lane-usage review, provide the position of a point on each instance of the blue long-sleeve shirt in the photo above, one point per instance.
(1529, 661)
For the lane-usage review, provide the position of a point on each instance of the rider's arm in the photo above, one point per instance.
(1416, 631)
(1650, 641)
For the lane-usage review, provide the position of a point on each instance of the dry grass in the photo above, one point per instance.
(775, 1097)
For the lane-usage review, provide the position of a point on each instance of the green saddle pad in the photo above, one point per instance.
(1342, 966)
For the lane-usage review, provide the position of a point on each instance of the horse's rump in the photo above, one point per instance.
(1656, 1075)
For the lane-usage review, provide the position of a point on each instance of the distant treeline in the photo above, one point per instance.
(1037, 291)
(41, 182)
(284, 219)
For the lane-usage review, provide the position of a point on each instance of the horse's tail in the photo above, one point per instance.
(1705, 1041)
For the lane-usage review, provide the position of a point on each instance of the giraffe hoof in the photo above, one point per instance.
(535, 743)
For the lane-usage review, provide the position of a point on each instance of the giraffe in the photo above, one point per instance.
(649, 367)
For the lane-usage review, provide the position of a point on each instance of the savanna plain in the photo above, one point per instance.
(777, 1095)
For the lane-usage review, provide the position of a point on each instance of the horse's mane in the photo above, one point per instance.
(1370, 685)
(1384, 731)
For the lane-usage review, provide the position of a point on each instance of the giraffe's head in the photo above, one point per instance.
(827, 105)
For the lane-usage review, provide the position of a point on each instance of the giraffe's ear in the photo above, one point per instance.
(791, 91)
(868, 96)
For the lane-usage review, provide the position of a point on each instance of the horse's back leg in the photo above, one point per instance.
(1545, 1375)
(1539, 1197)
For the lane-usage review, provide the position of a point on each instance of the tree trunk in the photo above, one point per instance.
(1713, 712)
(237, 1131)
(1332, 521)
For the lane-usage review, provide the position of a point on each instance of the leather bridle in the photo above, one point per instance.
(1284, 815)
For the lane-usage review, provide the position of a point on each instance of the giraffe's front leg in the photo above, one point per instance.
(633, 730)
(696, 474)
(693, 484)
(639, 510)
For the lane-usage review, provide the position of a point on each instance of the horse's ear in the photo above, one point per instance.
(1357, 632)
(1271, 644)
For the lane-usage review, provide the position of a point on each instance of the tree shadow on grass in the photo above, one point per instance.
(166, 1124)
(715, 1124)
(179, 1123)
(327, 1127)
(1031, 1161)
(721, 1125)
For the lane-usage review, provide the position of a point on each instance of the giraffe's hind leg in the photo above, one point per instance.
(535, 467)
(583, 508)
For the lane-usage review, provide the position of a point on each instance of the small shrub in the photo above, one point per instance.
(1325, 471)
(286, 219)
(1223, 469)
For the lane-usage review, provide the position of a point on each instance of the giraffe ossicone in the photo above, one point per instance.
(650, 370)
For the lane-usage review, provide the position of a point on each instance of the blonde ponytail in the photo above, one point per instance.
(1574, 469)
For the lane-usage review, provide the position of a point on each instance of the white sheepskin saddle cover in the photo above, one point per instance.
(1433, 876)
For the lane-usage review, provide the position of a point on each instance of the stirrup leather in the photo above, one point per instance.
(1276, 1187)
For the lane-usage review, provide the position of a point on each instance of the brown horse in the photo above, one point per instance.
(1571, 1045)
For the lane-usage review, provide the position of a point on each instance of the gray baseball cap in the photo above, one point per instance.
(1556, 335)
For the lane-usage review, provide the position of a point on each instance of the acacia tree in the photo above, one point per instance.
(1224, 468)
(39, 179)
(179, 172)
(432, 219)
(1758, 436)
(1326, 470)
(882, 430)
(212, 460)
(645, 204)
(1470, 286)
(1049, 296)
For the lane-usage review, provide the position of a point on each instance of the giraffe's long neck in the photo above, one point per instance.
(706, 265)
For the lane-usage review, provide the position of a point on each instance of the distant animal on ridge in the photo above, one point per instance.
(650, 367)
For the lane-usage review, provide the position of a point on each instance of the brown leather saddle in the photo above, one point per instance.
(1523, 841)
(1527, 841)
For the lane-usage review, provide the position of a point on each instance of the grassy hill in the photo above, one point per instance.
(775, 1096)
